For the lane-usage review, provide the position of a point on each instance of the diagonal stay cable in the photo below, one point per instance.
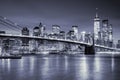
(10, 22)
(9, 25)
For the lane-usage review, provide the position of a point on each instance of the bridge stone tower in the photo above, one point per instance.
(90, 50)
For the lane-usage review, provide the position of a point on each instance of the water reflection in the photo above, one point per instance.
(97, 64)
(83, 68)
(22, 64)
(32, 64)
(57, 67)
(8, 64)
(3, 63)
(45, 66)
(20, 68)
(66, 62)
(97, 68)
(112, 64)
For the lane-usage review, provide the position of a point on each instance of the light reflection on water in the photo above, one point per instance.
(97, 64)
(83, 68)
(60, 67)
(45, 66)
(66, 63)
(32, 64)
(8, 63)
(112, 64)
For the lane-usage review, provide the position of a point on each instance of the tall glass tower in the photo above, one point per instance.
(110, 32)
(96, 27)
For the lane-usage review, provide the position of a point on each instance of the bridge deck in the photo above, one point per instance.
(54, 39)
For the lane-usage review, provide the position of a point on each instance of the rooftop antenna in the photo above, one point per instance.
(96, 13)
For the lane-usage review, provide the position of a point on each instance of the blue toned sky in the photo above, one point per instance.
(62, 12)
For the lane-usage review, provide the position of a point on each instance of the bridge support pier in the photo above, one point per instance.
(89, 50)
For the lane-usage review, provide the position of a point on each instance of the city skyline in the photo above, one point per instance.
(64, 13)
(59, 39)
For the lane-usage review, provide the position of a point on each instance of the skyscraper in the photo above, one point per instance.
(110, 35)
(55, 29)
(42, 29)
(82, 37)
(75, 29)
(105, 32)
(96, 27)
(70, 35)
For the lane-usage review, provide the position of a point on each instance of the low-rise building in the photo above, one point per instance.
(118, 44)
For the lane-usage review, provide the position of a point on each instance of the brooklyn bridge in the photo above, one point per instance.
(58, 41)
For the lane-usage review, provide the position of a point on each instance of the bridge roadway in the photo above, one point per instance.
(106, 47)
(60, 40)
(44, 38)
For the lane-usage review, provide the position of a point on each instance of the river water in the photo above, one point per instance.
(60, 67)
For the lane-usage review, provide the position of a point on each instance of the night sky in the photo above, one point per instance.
(61, 12)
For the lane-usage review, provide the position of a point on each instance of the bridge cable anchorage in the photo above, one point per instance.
(9, 22)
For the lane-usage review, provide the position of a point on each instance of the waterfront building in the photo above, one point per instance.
(25, 31)
(75, 29)
(36, 31)
(62, 35)
(99, 41)
(82, 37)
(33, 48)
(118, 44)
(110, 32)
(110, 35)
(41, 30)
(70, 35)
(105, 32)
(55, 29)
(10, 46)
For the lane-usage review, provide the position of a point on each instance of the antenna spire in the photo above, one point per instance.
(96, 13)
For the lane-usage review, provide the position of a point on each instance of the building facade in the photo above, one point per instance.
(110, 35)
(75, 29)
(25, 31)
(42, 30)
(118, 44)
(96, 28)
(36, 31)
(82, 36)
(55, 29)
